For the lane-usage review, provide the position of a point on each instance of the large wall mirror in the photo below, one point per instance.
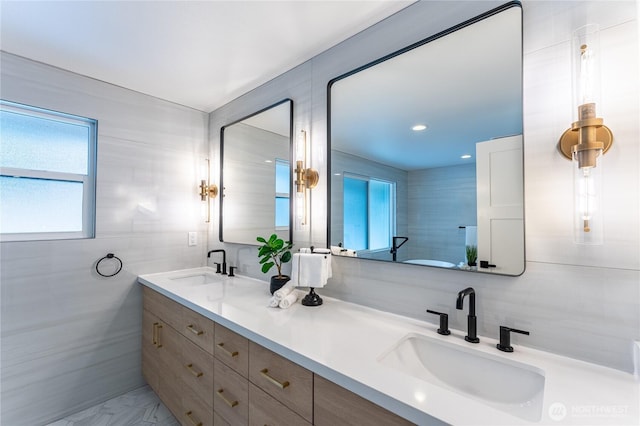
(255, 176)
(427, 151)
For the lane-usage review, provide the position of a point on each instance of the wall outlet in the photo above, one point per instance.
(193, 239)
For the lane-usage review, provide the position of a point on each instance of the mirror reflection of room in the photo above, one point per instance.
(256, 176)
(416, 138)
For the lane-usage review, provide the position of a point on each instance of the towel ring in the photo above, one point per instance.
(109, 256)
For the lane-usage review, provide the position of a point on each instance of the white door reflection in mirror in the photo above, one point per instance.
(500, 205)
(256, 176)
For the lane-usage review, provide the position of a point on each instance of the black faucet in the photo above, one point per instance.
(396, 246)
(224, 259)
(471, 318)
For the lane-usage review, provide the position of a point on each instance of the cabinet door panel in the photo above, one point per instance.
(284, 380)
(198, 329)
(162, 307)
(230, 395)
(335, 405)
(197, 370)
(266, 410)
(232, 349)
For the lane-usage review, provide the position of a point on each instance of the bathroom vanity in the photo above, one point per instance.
(216, 354)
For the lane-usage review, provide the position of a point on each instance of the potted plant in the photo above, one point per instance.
(472, 255)
(274, 252)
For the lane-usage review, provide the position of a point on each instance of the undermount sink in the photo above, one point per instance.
(504, 384)
(199, 278)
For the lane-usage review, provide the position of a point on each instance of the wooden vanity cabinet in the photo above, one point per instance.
(175, 360)
(209, 375)
(335, 405)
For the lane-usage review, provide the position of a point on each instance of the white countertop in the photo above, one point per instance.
(344, 342)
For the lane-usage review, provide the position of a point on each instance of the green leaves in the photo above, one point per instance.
(273, 251)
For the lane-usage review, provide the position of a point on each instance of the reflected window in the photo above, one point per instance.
(282, 194)
(47, 174)
(369, 213)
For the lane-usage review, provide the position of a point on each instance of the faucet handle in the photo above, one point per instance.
(444, 322)
(218, 270)
(232, 270)
(505, 338)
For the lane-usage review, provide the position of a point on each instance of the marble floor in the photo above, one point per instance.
(140, 407)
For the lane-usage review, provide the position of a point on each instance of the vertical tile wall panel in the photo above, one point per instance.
(71, 338)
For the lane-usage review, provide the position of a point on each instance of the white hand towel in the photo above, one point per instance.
(289, 300)
(311, 270)
(273, 302)
(284, 291)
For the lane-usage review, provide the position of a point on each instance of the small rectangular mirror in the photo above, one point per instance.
(426, 151)
(256, 177)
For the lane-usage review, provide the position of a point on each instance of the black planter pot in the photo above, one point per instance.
(471, 263)
(277, 282)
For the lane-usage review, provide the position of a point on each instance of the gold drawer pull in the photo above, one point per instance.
(226, 401)
(156, 334)
(265, 374)
(230, 353)
(193, 422)
(192, 329)
(192, 371)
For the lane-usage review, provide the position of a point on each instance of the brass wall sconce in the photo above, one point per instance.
(306, 178)
(207, 189)
(588, 138)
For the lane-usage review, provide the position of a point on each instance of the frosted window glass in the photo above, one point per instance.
(282, 212)
(355, 214)
(282, 177)
(38, 143)
(40, 205)
(380, 214)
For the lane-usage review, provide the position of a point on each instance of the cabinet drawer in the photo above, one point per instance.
(286, 381)
(192, 325)
(162, 307)
(195, 411)
(219, 421)
(265, 410)
(334, 405)
(198, 329)
(197, 371)
(232, 349)
(230, 395)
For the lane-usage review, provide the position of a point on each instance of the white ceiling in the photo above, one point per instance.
(201, 54)
(466, 87)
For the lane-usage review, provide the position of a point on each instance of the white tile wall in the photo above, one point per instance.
(70, 338)
(579, 301)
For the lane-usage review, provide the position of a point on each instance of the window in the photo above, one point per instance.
(47, 174)
(283, 185)
(369, 213)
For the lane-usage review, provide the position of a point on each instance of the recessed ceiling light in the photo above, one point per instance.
(465, 156)
(268, 161)
(419, 127)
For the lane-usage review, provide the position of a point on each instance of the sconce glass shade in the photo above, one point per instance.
(588, 221)
(305, 179)
(585, 64)
(591, 137)
(207, 190)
